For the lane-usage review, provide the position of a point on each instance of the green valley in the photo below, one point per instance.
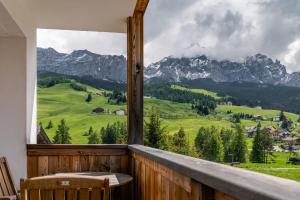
(61, 101)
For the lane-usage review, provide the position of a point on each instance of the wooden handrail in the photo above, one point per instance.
(235, 182)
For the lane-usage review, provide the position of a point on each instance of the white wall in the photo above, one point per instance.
(31, 83)
(13, 60)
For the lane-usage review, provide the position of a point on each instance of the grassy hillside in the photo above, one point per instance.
(61, 101)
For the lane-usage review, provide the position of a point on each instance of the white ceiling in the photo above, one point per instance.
(84, 15)
(8, 27)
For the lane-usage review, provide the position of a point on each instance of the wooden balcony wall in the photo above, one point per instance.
(50, 159)
(155, 181)
(162, 175)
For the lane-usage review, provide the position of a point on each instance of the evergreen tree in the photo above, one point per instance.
(257, 154)
(200, 139)
(93, 137)
(50, 125)
(114, 134)
(239, 145)
(121, 132)
(282, 116)
(285, 124)
(227, 136)
(209, 143)
(180, 143)
(267, 143)
(154, 132)
(89, 98)
(108, 135)
(214, 146)
(62, 135)
(298, 119)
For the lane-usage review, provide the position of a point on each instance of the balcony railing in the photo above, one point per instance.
(159, 174)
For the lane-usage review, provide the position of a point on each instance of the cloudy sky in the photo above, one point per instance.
(222, 29)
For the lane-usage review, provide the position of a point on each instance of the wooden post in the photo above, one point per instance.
(135, 77)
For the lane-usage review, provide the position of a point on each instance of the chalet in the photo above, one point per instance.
(276, 119)
(283, 134)
(251, 130)
(98, 110)
(120, 112)
(257, 117)
(291, 140)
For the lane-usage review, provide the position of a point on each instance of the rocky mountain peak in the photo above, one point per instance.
(258, 68)
(83, 63)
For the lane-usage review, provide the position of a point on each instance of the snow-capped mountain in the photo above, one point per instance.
(258, 69)
(82, 63)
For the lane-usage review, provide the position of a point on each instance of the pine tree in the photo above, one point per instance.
(209, 143)
(62, 135)
(281, 116)
(89, 98)
(227, 136)
(239, 145)
(180, 143)
(93, 137)
(122, 133)
(109, 135)
(50, 125)
(200, 140)
(257, 154)
(214, 148)
(285, 124)
(154, 132)
(267, 143)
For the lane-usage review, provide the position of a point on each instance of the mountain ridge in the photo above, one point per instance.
(256, 69)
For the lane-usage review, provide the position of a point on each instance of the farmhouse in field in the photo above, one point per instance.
(120, 112)
(276, 119)
(251, 130)
(257, 117)
(98, 110)
(291, 140)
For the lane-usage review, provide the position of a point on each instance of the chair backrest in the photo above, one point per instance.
(7, 186)
(75, 187)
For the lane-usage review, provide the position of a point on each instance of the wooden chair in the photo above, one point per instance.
(7, 186)
(64, 188)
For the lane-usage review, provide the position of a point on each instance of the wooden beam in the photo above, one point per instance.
(141, 5)
(135, 77)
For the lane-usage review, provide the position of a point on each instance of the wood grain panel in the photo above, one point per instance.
(46, 160)
(154, 181)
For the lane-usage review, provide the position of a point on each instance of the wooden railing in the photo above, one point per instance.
(160, 175)
(169, 176)
(50, 159)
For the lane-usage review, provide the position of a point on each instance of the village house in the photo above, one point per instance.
(257, 117)
(291, 140)
(276, 119)
(251, 130)
(120, 112)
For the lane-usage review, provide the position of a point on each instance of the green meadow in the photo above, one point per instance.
(63, 102)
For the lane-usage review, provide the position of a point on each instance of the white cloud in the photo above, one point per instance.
(222, 29)
(68, 41)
